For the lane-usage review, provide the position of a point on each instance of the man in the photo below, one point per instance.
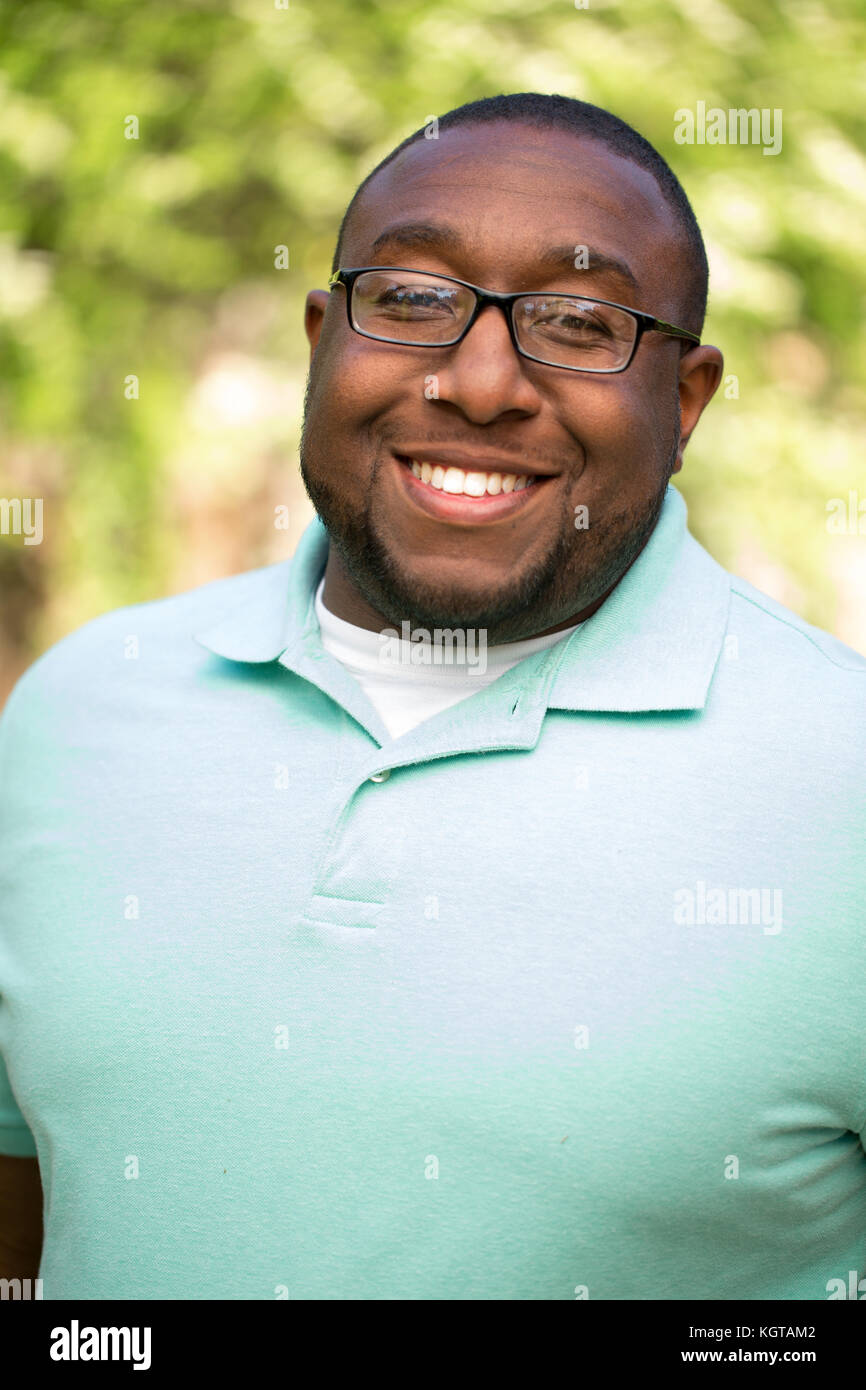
(527, 967)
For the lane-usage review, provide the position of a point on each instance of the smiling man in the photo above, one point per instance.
(329, 975)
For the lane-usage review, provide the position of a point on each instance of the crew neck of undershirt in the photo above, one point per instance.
(359, 649)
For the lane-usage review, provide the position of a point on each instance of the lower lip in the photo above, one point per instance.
(457, 507)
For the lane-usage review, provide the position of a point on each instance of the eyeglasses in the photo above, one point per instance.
(414, 309)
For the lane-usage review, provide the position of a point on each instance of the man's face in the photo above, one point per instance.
(504, 197)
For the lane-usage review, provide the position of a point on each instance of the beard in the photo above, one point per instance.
(577, 570)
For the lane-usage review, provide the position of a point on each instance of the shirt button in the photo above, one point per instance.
(381, 776)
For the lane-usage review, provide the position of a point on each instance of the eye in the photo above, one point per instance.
(569, 319)
(572, 323)
(415, 300)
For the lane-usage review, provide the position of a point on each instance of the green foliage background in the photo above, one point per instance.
(155, 257)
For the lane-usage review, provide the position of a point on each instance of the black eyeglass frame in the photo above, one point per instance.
(646, 323)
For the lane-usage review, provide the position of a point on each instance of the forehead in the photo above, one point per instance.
(510, 193)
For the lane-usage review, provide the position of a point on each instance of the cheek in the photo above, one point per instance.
(358, 380)
(642, 419)
(609, 421)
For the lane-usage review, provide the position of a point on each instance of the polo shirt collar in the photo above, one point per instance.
(652, 645)
(278, 614)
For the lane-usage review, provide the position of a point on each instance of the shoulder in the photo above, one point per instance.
(792, 683)
(788, 636)
(155, 640)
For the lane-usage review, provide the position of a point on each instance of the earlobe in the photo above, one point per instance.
(314, 316)
(700, 374)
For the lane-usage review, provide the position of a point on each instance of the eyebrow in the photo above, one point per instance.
(439, 236)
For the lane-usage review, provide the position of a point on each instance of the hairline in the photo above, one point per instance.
(692, 313)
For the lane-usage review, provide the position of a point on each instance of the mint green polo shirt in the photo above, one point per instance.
(562, 994)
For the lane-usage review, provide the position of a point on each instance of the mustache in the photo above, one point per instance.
(489, 444)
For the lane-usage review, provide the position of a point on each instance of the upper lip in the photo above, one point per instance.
(471, 461)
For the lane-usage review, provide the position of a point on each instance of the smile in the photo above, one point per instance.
(466, 496)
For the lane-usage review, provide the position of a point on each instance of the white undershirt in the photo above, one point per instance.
(406, 694)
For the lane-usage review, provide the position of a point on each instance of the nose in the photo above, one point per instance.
(484, 374)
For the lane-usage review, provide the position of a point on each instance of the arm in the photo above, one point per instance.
(20, 1217)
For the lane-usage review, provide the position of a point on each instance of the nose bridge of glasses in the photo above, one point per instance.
(489, 299)
(480, 301)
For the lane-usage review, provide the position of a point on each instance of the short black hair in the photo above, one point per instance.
(549, 111)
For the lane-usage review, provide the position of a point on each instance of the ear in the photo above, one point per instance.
(314, 316)
(700, 372)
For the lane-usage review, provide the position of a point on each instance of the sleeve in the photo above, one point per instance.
(15, 1136)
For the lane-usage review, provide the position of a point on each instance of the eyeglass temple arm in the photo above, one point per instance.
(661, 327)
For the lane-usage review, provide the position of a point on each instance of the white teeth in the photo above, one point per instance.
(475, 484)
(457, 481)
